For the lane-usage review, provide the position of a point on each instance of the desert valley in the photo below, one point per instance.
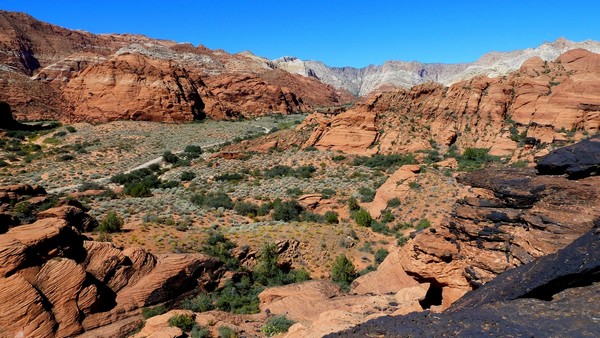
(150, 188)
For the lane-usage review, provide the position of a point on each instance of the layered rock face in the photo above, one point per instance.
(541, 103)
(58, 283)
(48, 72)
(555, 295)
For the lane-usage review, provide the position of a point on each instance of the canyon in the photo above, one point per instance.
(461, 195)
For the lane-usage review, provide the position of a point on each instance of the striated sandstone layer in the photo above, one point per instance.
(68, 285)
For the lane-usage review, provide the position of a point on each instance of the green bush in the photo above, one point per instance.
(170, 158)
(383, 162)
(192, 151)
(393, 203)
(366, 194)
(380, 255)
(71, 129)
(184, 322)
(200, 303)
(110, 223)
(343, 272)
(246, 209)
(474, 159)
(423, 224)
(213, 200)
(331, 217)
(229, 177)
(362, 217)
(353, 204)
(276, 324)
(187, 176)
(287, 211)
(227, 332)
(138, 190)
(218, 246)
(148, 312)
(199, 332)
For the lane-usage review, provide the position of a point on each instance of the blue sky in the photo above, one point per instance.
(339, 33)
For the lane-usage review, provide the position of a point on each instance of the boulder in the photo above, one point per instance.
(579, 160)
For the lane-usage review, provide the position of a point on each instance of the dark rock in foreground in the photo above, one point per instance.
(556, 295)
(579, 160)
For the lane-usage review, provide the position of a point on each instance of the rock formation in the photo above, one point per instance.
(48, 72)
(401, 74)
(541, 103)
(58, 283)
(555, 295)
(579, 160)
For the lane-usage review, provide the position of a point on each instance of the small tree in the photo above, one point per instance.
(331, 217)
(362, 217)
(110, 223)
(169, 157)
(343, 272)
(184, 322)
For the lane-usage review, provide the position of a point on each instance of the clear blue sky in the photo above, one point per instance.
(339, 33)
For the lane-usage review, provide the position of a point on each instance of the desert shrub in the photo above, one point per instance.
(184, 322)
(227, 332)
(331, 217)
(187, 176)
(474, 158)
(423, 224)
(71, 129)
(148, 312)
(110, 223)
(213, 200)
(66, 157)
(90, 186)
(380, 255)
(278, 171)
(3, 163)
(294, 192)
(245, 208)
(366, 194)
(401, 239)
(287, 211)
(170, 158)
(229, 177)
(60, 134)
(218, 246)
(328, 193)
(353, 204)
(264, 209)
(169, 184)
(338, 158)
(387, 216)
(362, 217)
(379, 227)
(383, 162)
(307, 216)
(343, 272)
(239, 298)
(305, 171)
(200, 303)
(199, 331)
(192, 151)
(393, 203)
(276, 324)
(138, 190)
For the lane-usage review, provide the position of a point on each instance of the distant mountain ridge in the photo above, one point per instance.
(363, 81)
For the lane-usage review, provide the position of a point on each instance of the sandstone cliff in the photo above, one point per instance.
(49, 72)
(541, 103)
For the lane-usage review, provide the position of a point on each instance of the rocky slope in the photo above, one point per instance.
(541, 103)
(56, 282)
(364, 81)
(555, 295)
(48, 72)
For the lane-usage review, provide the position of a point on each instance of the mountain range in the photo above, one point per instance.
(49, 72)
